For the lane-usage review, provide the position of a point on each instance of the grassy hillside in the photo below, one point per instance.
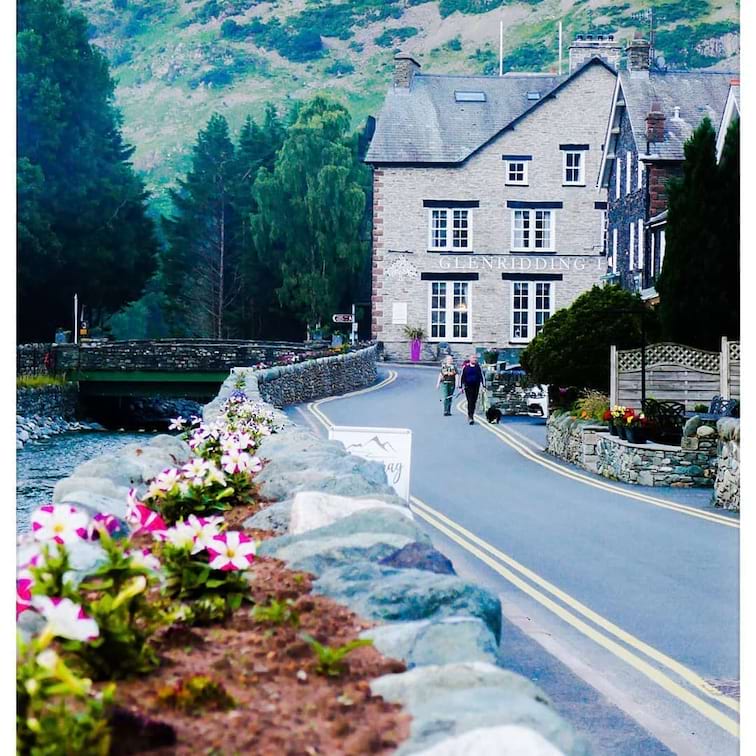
(178, 61)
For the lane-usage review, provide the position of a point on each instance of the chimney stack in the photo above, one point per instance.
(587, 46)
(405, 67)
(639, 55)
(655, 122)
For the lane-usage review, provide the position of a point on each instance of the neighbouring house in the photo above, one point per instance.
(653, 113)
(486, 218)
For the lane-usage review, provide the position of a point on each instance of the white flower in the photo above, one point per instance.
(180, 535)
(61, 523)
(144, 558)
(204, 529)
(215, 475)
(231, 551)
(195, 470)
(65, 618)
(48, 659)
(177, 423)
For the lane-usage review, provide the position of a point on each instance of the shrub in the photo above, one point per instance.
(396, 36)
(38, 381)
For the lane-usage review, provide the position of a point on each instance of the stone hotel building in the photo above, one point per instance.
(486, 215)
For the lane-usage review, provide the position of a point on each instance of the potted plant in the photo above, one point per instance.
(635, 428)
(618, 421)
(490, 356)
(607, 418)
(416, 336)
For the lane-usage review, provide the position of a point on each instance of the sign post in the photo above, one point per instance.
(343, 318)
(392, 446)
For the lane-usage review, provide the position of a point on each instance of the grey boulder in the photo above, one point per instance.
(420, 556)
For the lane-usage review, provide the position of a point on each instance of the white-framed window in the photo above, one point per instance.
(617, 175)
(641, 169)
(632, 246)
(614, 250)
(604, 232)
(641, 250)
(532, 228)
(574, 173)
(532, 305)
(449, 310)
(517, 172)
(629, 172)
(450, 228)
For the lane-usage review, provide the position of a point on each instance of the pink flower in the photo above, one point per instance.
(23, 593)
(65, 618)
(195, 470)
(141, 517)
(61, 523)
(102, 521)
(204, 530)
(231, 551)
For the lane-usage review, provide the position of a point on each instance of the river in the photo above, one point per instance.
(40, 465)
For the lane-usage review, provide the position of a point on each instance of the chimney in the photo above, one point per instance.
(655, 121)
(639, 55)
(587, 46)
(405, 68)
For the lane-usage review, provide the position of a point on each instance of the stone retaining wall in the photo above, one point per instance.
(590, 446)
(313, 379)
(30, 359)
(727, 482)
(47, 401)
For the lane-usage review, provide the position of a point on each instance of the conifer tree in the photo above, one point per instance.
(693, 285)
(82, 222)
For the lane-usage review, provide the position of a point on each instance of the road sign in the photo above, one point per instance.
(346, 318)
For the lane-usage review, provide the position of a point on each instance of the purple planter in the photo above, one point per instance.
(415, 348)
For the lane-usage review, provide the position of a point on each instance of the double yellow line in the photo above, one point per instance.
(534, 456)
(314, 407)
(527, 580)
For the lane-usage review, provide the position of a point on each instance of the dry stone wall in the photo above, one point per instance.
(727, 482)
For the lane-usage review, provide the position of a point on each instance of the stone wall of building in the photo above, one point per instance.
(47, 401)
(313, 379)
(404, 267)
(727, 482)
(592, 447)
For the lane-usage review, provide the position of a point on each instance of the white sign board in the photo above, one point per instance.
(399, 313)
(392, 446)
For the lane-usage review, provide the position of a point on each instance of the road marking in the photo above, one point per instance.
(687, 674)
(460, 535)
(587, 480)
(314, 407)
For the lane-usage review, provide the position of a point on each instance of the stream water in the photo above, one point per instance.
(40, 465)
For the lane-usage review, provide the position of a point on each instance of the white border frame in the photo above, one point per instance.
(525, 181)
(535, 250)
(450, 230)
(581, 181)
(449, 322)
(531, 307)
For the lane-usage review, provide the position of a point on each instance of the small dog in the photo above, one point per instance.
(493, 415)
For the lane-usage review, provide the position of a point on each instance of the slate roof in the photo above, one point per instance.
(424, 124)
(696, 93)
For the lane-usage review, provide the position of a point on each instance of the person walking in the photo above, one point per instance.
(472, 378)
(447, 379)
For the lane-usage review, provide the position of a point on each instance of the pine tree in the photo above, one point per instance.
(202, 265)
(82, 222)
(310, 208)
(729, 218)
(693, 286)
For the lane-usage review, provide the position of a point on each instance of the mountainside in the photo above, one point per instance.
(178, 61)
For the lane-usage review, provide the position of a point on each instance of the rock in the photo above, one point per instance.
(424, 684)
(383, 520)
(100, 486)
(507, 740)
(285, 485)
(133, 732)
(94, 503)
(122, 472)
(388, 594)
(30, 623)
(691, 426)
(312, 510)
(454, 639)
(23, 435)
(319, 554)
(705, 431)
(274, 518)
(19, 444)
(86, 557)
(420, 556)
(176, 448)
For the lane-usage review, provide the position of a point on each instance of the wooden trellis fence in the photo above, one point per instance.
(675, 372)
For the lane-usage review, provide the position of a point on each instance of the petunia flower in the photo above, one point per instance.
(180, 535)
(177, 423)
(215, 475)
(231, 550)
(204, 530)
(61, 523)
(24, 584)
(142, 518)
(195, 470)
(144, 558)
(66, 619)
(107, 522)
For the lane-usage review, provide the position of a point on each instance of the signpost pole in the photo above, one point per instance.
(76, 319)
(354, 324)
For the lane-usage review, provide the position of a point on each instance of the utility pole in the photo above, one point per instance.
(76, 319)
(501, 48)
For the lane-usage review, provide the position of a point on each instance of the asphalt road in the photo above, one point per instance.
(620, 601)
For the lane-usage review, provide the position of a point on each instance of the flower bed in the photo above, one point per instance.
(206, 641)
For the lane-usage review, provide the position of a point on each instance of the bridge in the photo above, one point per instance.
(169, 367)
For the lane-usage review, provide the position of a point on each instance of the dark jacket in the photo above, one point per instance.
(472, 375)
